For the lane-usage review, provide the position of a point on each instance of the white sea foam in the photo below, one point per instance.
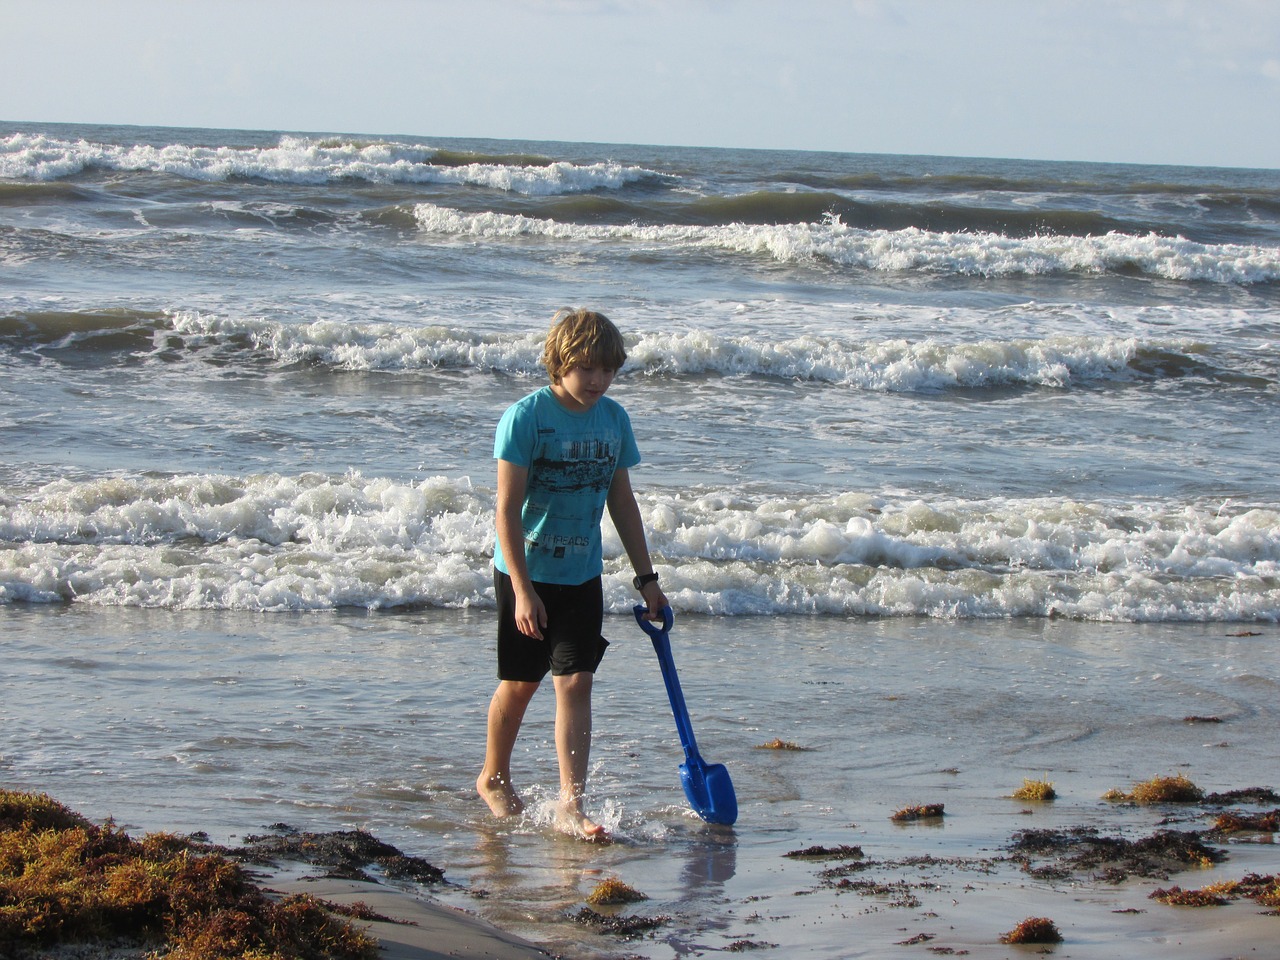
(890, 365)
(313, 541)
(910, 249)
(302, 160)
(363, 346)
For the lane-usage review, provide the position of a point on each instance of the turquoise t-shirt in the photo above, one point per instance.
(571, 458)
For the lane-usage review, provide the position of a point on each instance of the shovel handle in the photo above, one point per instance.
(648, 626)
(662, 647)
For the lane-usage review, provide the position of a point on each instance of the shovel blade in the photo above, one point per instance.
(707, 786)
(709, 791)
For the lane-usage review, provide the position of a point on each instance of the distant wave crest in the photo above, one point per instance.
(909, 249)
(307, 161)
(893, 365)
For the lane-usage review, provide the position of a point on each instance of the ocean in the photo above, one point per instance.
(955, 471)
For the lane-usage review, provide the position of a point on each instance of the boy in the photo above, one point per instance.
(563, 454)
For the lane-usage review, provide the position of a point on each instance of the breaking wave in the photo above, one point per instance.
(892, 365)
(316, 541)
(307, 161)
(911, 249)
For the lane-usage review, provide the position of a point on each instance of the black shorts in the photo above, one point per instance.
(571, 639)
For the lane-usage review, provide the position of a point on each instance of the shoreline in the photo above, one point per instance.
(953, 896)
(415, 928)
(411, 927)
(1134, 926)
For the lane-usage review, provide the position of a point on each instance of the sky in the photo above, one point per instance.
(1149, 81)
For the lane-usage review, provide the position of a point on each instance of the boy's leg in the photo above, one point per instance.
(506, 713)
(573, 749)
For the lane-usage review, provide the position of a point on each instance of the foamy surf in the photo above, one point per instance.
(895, 251)
(896, 365)
(312, 542)
(304, 160)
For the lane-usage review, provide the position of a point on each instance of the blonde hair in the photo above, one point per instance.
(582, 338)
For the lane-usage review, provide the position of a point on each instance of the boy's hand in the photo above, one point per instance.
(654, 600)
(531, 614)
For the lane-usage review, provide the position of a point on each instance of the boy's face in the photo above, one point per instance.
(580, 387)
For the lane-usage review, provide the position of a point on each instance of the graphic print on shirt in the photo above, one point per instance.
(568, 484)
(574, 465)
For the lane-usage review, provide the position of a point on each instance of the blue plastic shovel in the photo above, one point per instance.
(707, 785)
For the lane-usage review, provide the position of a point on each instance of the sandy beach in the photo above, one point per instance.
(416, 928)
(933, 905)
(958, 896)
(958, 915)
(355, 723)
(957, 900)
(947, 887)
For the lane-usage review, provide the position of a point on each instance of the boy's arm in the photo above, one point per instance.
(531, 614)
(625, 514)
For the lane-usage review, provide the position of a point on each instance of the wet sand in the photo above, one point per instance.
(417, 929)
(1095, 924)
(375, 723)
(944, 884)
(935, 905)
(951, 882)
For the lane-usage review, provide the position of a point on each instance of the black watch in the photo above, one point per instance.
(641, 582)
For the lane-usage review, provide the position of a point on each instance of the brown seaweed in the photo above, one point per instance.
(927, 811)
(1037, 791)
(618, 926)
(343, 853)
(612, 891)
(1033, 930)
(1177, 897)
(842, 852)
(1115, 858)
(65, 880)
(1176, 789)
(778, 743)
(1244, 822)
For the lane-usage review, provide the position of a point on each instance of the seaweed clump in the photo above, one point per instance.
(1177, 897)
(777, 743)
(1033, 930)
(928, 811)
(1038, 791)
(65, 880)
(1254, 795)
(613, 891)
(1264, 890)
(1248, 823)
(1177, 789)
(896, 893)
(842, 851)
(343, 854)
(626, 927)
(1115, 858)
(740, 946)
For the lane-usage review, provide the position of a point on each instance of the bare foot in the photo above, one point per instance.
(501, 797)
(572, 821)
